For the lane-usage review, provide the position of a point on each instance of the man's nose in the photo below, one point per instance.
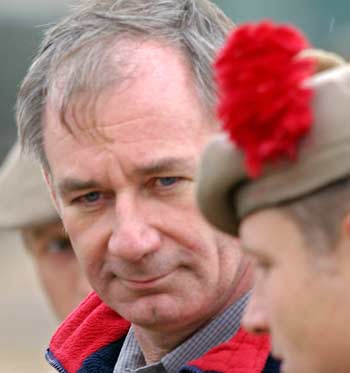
(133, 235)
(255, 316)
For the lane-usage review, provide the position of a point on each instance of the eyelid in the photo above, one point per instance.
(86, 195)
(62, 244)
(82, 195)
(156, 183)
(176, 178)
(81, 202)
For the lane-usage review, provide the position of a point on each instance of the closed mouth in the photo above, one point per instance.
(140, 284)
(144, 281)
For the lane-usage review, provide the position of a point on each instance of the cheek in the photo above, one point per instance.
(282, 292)
(289, 305)
(218, 261)
(89, 237)
(47, 272)
(212, 256)
(57, 270)
(192, 232)
(57, 280)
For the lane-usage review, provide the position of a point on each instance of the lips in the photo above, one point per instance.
(143, 284)
(144, 281)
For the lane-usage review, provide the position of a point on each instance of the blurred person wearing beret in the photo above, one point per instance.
(26, 207)
(279, 177)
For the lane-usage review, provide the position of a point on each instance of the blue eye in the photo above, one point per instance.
(92, 197)
(88, 199)
(167, 181)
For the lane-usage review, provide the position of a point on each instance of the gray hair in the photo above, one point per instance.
(76, 52)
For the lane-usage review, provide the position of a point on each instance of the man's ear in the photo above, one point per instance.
(49, 183)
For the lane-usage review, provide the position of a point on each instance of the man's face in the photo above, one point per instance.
(300, 296)
(127, 201)
(57, 266)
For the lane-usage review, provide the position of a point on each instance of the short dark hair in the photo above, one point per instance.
(319, 214)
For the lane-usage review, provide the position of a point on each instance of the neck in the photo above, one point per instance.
(157, 343)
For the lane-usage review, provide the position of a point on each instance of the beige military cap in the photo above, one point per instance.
(24, 197)
(226, 194)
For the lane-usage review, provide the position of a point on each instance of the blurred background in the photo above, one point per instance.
(25, 320)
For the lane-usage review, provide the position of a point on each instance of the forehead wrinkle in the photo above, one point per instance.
(95, 126)
(81, 116)
(80, 110)
(62, 132)
(103, 128)
(168, 164)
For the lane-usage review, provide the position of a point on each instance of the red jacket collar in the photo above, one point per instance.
(90, 327)
(244, 353)
(93, 325)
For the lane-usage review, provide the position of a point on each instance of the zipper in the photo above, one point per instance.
(54, 362)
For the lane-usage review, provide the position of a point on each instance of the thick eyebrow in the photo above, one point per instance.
(162, 166)
(70, 185)
(165, 165)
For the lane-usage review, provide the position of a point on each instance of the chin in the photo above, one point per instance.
(149, 311)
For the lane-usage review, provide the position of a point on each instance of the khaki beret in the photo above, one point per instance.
(226, 194)
(24, 200)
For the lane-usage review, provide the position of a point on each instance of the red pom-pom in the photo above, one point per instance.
(262, 102)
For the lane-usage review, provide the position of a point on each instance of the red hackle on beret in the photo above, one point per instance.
(263, 104)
